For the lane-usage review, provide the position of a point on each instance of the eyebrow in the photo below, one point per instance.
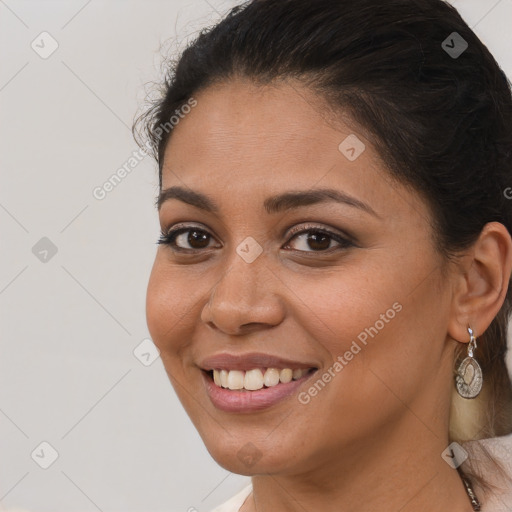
(274, 204)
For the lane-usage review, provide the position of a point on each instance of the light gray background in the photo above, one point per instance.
(69, 325)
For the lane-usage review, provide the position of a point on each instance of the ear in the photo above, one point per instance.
(482, 283)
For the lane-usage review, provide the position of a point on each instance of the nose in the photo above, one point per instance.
(245, 298)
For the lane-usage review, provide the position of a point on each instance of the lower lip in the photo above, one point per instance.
(250, 401)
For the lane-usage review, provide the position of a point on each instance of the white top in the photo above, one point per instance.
(234, 504)
(500, 448)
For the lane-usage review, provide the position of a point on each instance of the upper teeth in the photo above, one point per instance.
(256, 379)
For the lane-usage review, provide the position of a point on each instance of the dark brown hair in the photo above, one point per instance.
(441, 122)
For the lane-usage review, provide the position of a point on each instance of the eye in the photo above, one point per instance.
(318, 239)
(179, 238)
(314, 238)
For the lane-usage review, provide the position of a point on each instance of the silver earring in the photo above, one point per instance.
(469, 376)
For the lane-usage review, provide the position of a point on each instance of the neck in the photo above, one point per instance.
(401, 469)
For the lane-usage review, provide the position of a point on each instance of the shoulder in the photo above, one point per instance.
(234, 503)
(500, 448)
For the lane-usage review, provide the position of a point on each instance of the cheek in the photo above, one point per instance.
(389, 350)
(379, 323)
(167, 305)
(344, 304)
(158, 313)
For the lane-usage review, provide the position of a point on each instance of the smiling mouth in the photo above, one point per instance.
(255, 379)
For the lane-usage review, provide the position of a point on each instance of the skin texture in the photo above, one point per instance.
(372, 438)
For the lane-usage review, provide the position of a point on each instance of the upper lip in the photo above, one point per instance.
(250, 361)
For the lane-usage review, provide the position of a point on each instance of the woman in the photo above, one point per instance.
(331, 290)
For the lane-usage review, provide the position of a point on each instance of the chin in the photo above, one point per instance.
(244, 455)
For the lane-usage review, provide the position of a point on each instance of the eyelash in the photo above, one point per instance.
(170, 237)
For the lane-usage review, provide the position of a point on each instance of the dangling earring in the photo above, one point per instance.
(469, 376)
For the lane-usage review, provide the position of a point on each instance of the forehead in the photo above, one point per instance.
(248, 141)
(239, 121)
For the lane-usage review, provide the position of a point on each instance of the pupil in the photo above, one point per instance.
(314, 239)
(195, 236)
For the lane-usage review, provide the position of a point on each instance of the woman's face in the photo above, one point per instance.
(355, 292)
